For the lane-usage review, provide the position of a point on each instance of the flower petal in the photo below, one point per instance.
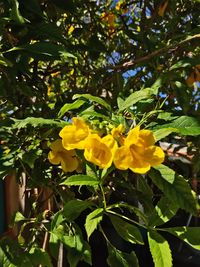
(56, 146)
(132, 137)
(69, 164)
(97, 152)
(73, 136)
(54, 157)
(122, 158)
(154, 155)
(147, 138)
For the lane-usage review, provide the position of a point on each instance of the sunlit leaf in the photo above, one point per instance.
(80, 179)
(178, 191)
(189, 235)
(92, 221)
(127, 231)
(121, 259)
(160, 250)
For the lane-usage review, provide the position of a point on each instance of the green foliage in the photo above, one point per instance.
(160, 250)
(92, 221)
(80, 179)
(121, 259)
(127, 231)
(109, 63)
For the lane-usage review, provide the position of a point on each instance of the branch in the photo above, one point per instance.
(129, 64)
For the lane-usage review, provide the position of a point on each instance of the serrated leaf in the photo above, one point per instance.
(136, 97)
(92, 221)
(159, 249)
(36, 122)
(185, 125)
(179, 191)
(189, 235)
(93, 99)
(42, 50)
(70, 106)
(168, 174)
(79, 180)
(117, 258)
(163, 212)
(39, 256)
(162, 133)
(73, 208)
(127, 231)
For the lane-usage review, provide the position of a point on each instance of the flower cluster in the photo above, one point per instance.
(135, 151)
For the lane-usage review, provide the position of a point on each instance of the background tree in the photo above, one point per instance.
(109, 62)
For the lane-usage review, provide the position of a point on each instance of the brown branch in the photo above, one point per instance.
(172, 47)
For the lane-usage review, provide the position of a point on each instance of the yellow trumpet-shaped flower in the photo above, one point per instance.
(74, 135)
(138, 152)
(100, 151)
(117, 133)
(59, 155)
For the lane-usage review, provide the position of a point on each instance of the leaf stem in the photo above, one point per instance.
(103, 195)
(126, 218)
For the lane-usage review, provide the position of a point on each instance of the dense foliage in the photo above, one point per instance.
(89, 92)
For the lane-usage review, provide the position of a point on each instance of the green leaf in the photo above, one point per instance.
(184, 125)
(117, 258)
(80, 179)
(87, 256)
(160, 250)
(163, 212)
(179, 191)
(70, 106)
(168, 174)
(12, 255)
(161, 133)
(68, 237)
(31, 156)
(54, 244)
(127, 231)
(39, 256)
(120, 103)
(73, 208)
(93, 99)
(5, 62)
(15, 14)
(186, 62)
(145, 195)
(189, 235)
(138, 212)
(18, 217)
(92, 221)
(36, 122)
(42, 50)
(136, 97)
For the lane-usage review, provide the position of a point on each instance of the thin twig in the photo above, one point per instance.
(127, 65)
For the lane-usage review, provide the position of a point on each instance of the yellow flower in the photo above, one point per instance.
(74, 135)
(117, 133)
(71, 29)
(100, 151)
(59, 155)
(138, 152)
